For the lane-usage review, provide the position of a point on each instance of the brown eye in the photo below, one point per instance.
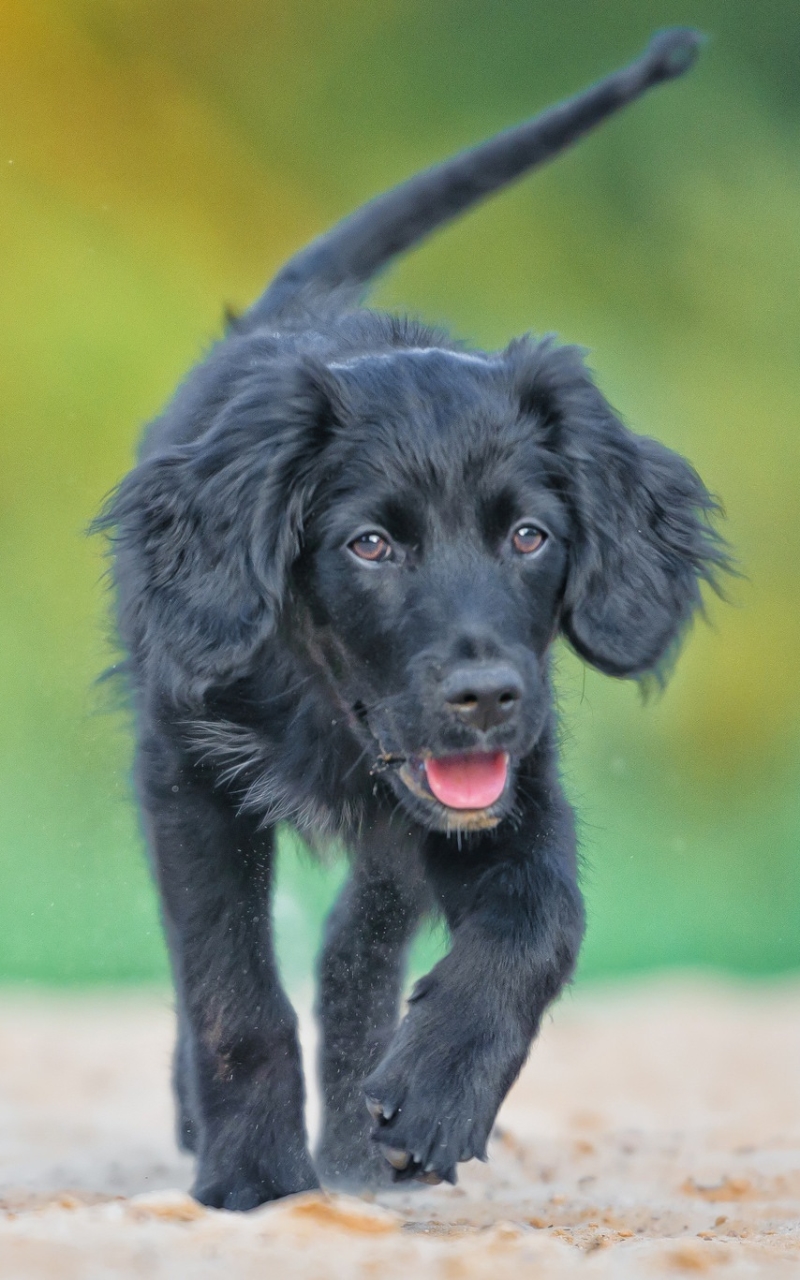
(528, 539)
(372, 547)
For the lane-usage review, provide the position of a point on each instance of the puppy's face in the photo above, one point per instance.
(434, 569)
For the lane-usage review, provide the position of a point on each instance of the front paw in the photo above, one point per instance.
(234, 1193)
(246, 1183)
(432, 1110)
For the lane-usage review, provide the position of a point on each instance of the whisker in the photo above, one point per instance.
(355, 763)
(285, 693)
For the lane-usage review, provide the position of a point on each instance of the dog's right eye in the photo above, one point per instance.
(372, 547)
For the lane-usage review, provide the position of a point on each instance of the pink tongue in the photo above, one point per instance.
(469, 781)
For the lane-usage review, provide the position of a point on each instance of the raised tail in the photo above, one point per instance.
(357, 248)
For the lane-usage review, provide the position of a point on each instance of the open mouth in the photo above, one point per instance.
(472, 781)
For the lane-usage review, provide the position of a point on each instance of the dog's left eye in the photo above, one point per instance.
(372, 547)
(528, 539)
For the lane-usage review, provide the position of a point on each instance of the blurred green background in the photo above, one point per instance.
(159, 159)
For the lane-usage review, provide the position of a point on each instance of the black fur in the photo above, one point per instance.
(278, 677)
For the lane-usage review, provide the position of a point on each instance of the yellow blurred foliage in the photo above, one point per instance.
(129, 139)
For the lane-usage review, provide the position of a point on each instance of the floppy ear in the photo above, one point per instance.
(205, 532)
(642, 543)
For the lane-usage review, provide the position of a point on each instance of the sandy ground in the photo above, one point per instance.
(655, 1131)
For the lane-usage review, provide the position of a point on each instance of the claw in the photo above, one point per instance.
(379, 1111)
(375, 1109)
(397, 1159)
(430, 1178)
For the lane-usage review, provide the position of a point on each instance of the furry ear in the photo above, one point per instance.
(205, 532)
(642, 542)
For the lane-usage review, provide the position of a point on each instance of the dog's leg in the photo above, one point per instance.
(186, 1125)
(361, 973)
(516, 919)
(239, 1063)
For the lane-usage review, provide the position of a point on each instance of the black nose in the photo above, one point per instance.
(483, 695)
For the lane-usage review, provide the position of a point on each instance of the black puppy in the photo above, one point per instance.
(341, 562)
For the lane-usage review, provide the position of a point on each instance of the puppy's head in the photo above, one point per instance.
(473, 507)
(420, 524)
